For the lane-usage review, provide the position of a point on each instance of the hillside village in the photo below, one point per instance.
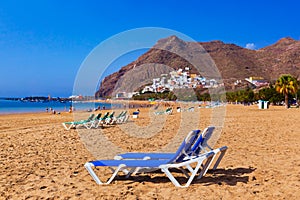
(183, 78)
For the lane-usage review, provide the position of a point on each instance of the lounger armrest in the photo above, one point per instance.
(188, 162)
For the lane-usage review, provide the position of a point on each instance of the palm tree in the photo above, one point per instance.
(286, 84)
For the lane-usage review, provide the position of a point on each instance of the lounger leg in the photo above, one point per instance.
(133, 171)
(125, 171)
(64, 125)
(98, 124)
(194, 173)
(184, 172)
(126, 118)
(171, 177)
(136, 170)
(175, 182)
(206, 166)
(223, 151)
(122, 119)
(190, 168)
(119, 120)
(89, 166)
(67, 128)
(93, 125)
(87, 126)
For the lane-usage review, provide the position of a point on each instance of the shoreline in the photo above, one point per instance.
(111, 103)
(131, 105)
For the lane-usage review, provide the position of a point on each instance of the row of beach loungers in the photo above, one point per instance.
(95, 121)
(193, 158)
(168, 111)
(190, 109)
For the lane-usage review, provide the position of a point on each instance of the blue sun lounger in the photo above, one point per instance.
(200, 146)
(178, 160)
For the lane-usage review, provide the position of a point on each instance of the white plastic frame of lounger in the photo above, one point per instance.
(164, 168)
(75, 124)
(219, 151)
(72, 125)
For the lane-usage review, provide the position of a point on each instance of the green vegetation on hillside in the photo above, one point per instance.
(243, 96)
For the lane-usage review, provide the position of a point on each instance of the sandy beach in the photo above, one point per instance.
(39, 159)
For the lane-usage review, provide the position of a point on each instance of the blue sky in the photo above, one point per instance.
(43, 43)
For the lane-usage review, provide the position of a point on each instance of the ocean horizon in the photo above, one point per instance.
(15, 106)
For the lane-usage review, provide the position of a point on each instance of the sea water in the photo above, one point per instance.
(11, 106)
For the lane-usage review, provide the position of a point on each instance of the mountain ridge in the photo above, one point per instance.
(233, 62)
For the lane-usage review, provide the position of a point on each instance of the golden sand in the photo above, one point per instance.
(39, 159)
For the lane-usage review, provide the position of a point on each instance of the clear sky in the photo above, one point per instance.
(43, 43)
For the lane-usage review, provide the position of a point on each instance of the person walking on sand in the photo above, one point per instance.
(70, 109)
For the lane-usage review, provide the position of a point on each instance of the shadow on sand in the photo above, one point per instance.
(226, 176)
(218, 176)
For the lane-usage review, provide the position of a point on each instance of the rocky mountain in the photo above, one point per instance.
(209, 59)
